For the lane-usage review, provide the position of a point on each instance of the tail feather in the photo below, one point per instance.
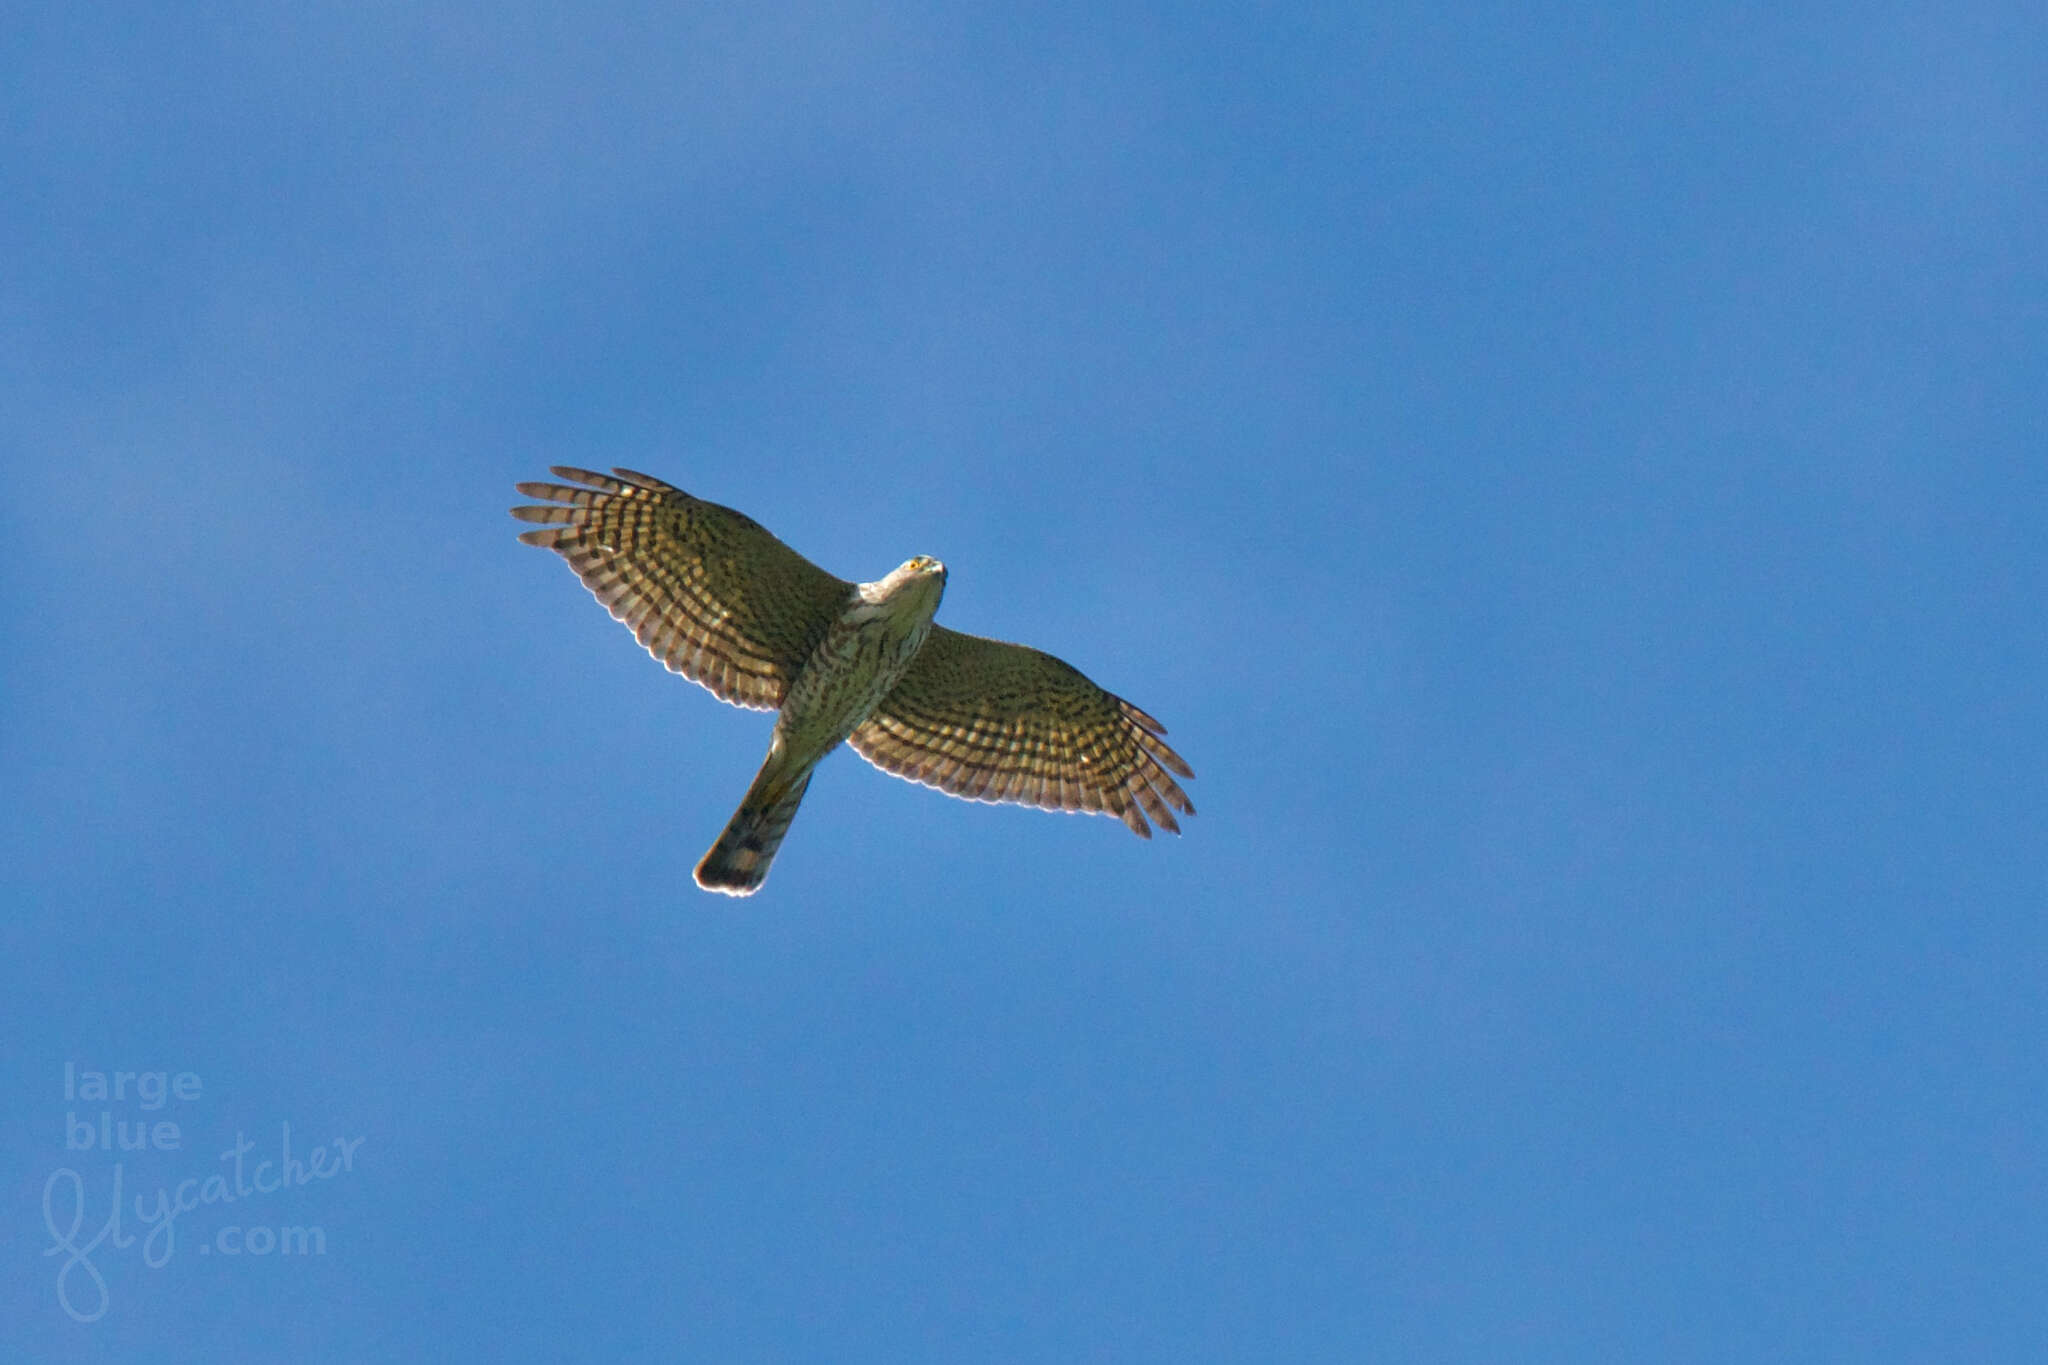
(738, 863)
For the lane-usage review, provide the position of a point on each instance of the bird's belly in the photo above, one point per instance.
(843, 681)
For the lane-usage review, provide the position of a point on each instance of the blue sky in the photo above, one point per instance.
(1572, 484)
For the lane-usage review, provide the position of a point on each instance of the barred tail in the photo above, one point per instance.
(738, 863)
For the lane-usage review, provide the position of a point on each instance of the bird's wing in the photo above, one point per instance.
(999, 722)
(706, 589)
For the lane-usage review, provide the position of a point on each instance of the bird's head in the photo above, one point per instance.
(920, 580)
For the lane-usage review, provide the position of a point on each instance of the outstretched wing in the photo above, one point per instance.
(708, 590)
(1000, 722)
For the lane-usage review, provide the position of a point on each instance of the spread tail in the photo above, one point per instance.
(738, 863)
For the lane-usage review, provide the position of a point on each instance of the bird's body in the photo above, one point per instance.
(864, 652)
(715, 597)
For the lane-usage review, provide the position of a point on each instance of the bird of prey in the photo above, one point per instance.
(716, 598)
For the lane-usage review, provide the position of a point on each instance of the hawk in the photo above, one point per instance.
(716, 598)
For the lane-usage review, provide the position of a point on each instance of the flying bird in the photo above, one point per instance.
(718, 599)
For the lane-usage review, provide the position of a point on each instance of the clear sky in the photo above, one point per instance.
(1572, 482)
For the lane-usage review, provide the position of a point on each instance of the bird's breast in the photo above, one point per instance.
(862, 655)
